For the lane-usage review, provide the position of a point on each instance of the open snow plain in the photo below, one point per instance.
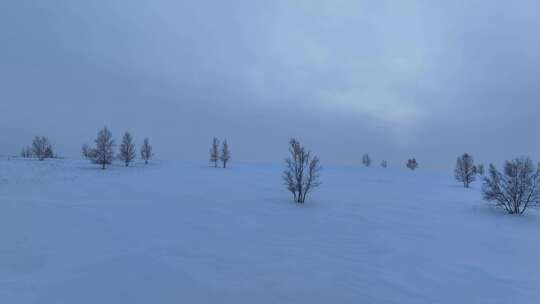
(172, 232)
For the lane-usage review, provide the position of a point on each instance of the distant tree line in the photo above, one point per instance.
(220, 154)
(41, 148)
(103, 152)
(515, 189)
(411, 163)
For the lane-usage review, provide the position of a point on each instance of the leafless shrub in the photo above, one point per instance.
(40, 146)
(516, 189)
(225, 156)
(366, 160)
(412, 164)
(214, 152)
(301, 175)
(103, 153)
(127, 149)
(146, 151)
(465, 170)
(384, 164)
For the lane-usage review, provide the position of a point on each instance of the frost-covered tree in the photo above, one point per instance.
(214, 152)
(366, 160)
(225, 156)
(40, 145)
(516, 189)
(384, 164)
(465, 170)
(127, 149)
(301, 175)
(103, 153)
(412, 164)
(480, 170)
(146, 151)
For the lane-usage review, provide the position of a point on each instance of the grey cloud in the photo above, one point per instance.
(392, 78)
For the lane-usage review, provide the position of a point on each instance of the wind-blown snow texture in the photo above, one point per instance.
(182, 233)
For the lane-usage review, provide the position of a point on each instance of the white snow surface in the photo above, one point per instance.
(174, 232)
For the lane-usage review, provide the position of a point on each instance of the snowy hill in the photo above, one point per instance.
(172, 232)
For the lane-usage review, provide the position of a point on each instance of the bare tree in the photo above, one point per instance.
(146, 151)
(465, 170)
(384, 164)
(225, 156)
(366, 160)
(49, 153)
(412, 164)
(40, 144)
(301, 175)
(214, 152)
(103, 153)
(516, 189)
(29, 152)
(127, 149)
(86, 151)
(480, 169)
(26, 152)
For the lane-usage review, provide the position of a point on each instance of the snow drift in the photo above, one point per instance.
(173, 232)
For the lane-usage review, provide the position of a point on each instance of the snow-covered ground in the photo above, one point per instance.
(173, 232)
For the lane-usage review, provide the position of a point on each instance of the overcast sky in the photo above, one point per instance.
(396, 79)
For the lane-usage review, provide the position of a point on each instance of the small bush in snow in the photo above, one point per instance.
(384, 164)
(366, 160)
(412, 164)
(465, 170)
(225, 156)
(103, 153)
(127, 149)
(146, 151)
(516, 189)
(301, 175)
(214, 152)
